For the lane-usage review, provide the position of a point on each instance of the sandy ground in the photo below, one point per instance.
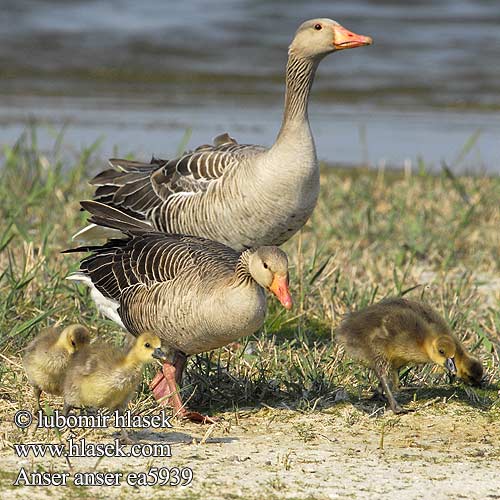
(440, 451)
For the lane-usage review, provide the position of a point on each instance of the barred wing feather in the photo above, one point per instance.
(137, 188)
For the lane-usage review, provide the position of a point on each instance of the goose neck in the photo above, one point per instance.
(299, 79)
(242, 272)
(132, 361)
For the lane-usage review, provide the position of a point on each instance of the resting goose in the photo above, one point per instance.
(397, 332)
(226, 191)
(195, 294)
(47, 356)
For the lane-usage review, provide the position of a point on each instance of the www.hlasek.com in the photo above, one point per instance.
(75, 447)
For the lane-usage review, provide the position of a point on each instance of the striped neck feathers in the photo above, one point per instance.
(299, 79)
(242, 274)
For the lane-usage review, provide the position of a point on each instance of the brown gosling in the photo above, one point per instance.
(47, 356)
(103, 376)
(397, 332)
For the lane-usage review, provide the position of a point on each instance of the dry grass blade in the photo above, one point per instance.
(373, 234)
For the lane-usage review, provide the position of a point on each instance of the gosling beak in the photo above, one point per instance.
(159, 354)
(449, 364)
(279, 287)
(345, 39)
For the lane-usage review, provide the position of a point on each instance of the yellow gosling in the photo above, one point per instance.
(47, 357)
(103, 376)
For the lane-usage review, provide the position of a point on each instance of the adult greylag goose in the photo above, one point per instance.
(226, 191)
(195, 294)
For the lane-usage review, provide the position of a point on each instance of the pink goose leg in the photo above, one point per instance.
(166, 392)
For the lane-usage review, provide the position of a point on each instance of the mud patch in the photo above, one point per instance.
(443, 450)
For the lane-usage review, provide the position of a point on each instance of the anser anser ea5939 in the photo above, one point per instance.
(195, 294)
(227, 191)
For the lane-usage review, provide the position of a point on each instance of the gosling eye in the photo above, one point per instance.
(441, 351)
(318, 27)
(265, 265)
(147, 345)
(73, 343)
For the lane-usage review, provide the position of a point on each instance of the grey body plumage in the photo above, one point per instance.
(238, 194)
(194, 293)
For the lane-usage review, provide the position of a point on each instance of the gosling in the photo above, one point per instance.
(397, 332)
(47, 357)
(102, 376)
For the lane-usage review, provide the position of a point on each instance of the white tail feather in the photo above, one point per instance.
(108, 307)
(95, 232)
(80, 277)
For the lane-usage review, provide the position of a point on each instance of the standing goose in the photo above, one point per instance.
(226, 191)
(195, 294)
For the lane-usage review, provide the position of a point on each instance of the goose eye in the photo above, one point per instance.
(147, 344)
(317, 27)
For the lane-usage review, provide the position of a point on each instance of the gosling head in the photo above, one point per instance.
(148, 347)
(470, 370)
(74, 337)
(442, 352)
(317, 38)
(268, 266)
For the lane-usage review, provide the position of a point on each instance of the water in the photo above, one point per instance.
(138, 74)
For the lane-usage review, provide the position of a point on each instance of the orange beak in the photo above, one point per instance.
(279, 287)
(345, 39)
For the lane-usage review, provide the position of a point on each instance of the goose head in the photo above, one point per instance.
(317, 38)
(442, 351)
(147, 347)
(268, 266)
(73, 337)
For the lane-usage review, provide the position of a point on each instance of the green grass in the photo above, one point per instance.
(373, 234)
